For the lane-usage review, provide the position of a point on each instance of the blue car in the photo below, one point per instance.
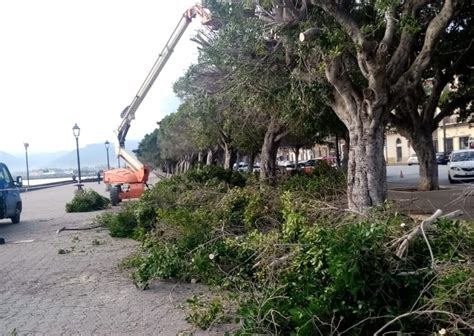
(10, 200)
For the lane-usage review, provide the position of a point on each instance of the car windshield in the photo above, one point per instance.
(463, 156)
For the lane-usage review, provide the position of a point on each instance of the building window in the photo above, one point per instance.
(399, 149)
(463, 142)
(435, 145)
(449, 145)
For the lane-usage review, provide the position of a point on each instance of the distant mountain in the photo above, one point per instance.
(91, 156)
(13, 162)
(42, 160)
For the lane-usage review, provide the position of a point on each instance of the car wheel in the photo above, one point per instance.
(114, 195)
(16, 218)
(409, 164)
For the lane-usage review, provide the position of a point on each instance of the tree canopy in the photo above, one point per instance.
(299, 71)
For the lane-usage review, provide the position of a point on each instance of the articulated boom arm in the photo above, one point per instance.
(129, 113)
(130, 182)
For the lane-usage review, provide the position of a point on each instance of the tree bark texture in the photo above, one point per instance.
(366, 173)
(424, 148)
(416, 123)
(209, 157)
(229, 156)
(269, 151)
(345, 159)
(296, 149)
(250, 162)
(364, 114)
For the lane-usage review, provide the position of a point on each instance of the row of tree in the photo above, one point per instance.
(293, 72)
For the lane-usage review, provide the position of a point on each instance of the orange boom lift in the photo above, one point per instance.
(130, 182)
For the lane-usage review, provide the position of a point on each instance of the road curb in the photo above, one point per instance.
(54, 184)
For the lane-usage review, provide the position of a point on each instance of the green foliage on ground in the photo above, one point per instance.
(297, 264)
(214, 175)
(205, 312)
(121, 224)
(87, 200)
(323, 182)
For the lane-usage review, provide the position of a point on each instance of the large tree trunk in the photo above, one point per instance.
(418, 128)
(209, 157)
(269, 151)
(189, 161)
(365, 114)
(200, 160)
(366, 174)
(422, 143)
(180, 167)
(250, 162)
(229, 156)
(296, 150)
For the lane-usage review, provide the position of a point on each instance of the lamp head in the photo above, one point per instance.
(76, 130)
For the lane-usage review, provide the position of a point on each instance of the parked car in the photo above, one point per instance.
(241, 167)
(331, 160)
(290, 166)
(10, 200)
(309, 165)
(413, 159)
(442, 158)
(461, 166)
(313, 163)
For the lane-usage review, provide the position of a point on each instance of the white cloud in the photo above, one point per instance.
(66, 61)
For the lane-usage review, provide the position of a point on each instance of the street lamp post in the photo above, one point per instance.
(27, 167)
(107, 145)
(77, 131)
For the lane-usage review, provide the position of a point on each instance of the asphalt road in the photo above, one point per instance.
(449, 198)
(411, 176)
(83, 291)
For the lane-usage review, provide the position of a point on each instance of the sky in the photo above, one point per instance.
(64, 62)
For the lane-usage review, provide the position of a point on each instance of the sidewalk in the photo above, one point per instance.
(426, 202)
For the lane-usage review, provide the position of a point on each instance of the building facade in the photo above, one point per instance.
(450, 135)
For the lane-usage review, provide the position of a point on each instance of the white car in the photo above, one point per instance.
(461, 166)
(241, 167)
(413, 159)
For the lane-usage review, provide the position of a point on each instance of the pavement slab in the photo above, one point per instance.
(83, 291)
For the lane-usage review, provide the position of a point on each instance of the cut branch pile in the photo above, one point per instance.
(403, 242)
